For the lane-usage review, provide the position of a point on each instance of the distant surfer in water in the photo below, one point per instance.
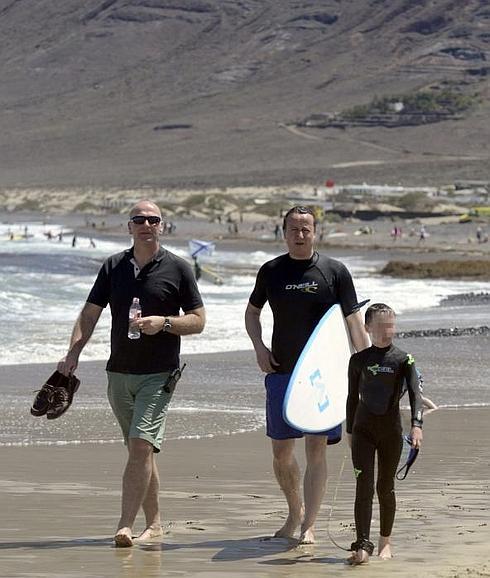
(300, 287)
(376, 380)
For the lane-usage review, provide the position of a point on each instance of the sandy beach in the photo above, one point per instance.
(226, 115)
(221, 505)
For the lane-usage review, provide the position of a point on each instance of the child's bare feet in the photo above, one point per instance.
(384, 548)
(358, 557)
(361, 550)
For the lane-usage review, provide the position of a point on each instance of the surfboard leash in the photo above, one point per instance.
(341, 471)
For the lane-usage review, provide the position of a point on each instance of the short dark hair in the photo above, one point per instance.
(376, 309)
(299, 210)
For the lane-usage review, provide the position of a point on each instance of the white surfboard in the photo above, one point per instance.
(317, 390)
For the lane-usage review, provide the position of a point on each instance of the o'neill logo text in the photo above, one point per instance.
(307, 287)
(375, 369)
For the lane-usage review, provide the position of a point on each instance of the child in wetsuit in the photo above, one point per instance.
(376, 377)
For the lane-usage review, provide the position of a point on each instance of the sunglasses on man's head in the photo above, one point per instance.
(140, 219)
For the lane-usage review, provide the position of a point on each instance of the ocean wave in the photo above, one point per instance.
(474, 405)
(173, 437)
(227, 410)
(50, 281)
(28, 443)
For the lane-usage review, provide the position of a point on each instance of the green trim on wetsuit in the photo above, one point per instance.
(376, 379)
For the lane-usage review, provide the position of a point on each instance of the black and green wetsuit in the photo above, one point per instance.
(376, 380)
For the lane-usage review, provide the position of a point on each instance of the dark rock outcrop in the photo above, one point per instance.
(477, 268)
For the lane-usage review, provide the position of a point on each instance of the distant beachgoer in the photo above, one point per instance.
(479, 234)
(91, 243)
(278, 236)
(197, 268)
(396, 233)
(422, 234)
(428, 403)
(60, 236)
(74, 241)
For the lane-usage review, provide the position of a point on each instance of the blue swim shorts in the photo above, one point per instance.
(277, 427)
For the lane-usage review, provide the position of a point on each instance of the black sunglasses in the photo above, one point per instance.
(140, 219)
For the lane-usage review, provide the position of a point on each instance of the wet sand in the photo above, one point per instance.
(220, 503)
(220, 506)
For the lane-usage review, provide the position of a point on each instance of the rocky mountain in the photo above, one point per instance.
(208, 92)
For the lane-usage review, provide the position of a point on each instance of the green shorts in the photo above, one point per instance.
(140, 405)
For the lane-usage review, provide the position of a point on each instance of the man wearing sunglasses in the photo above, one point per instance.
(140, 370)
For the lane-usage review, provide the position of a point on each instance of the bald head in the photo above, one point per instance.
(145, 206)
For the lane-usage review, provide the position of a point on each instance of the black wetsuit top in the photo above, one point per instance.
(299, 292)
(164, 286)
(376, 380)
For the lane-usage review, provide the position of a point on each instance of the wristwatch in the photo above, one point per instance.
(167, 324)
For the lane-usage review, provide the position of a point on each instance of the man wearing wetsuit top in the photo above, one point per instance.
(300, 287)
(376, 382)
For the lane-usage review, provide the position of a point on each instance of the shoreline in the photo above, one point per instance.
(448, 240)
(219, 500)
(60, 506)
(222, 393)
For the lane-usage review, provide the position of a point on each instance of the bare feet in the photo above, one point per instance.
(359, 557)
(307, 537)
(150, 533)
(289, 528)
(384, 548)
(123, 538)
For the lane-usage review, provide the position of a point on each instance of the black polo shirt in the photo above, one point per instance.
(164, 286)
(300, 292)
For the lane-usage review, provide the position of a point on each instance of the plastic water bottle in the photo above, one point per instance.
(134, 313)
